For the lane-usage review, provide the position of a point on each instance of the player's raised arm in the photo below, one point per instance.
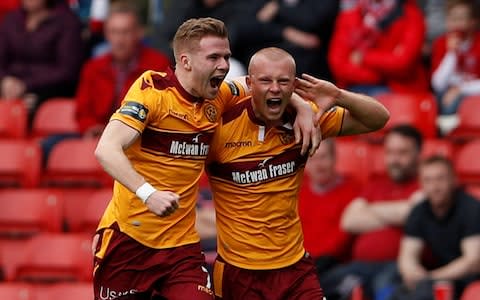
(363, 113)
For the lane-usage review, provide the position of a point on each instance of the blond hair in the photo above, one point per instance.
(193, 30)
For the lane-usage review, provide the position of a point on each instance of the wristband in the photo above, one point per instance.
(145, 191)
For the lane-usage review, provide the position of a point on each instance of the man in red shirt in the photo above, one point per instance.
(106, 79)
(377, 216)
(323, 197)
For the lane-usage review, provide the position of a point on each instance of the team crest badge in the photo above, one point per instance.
(210, 112)
(286, 138)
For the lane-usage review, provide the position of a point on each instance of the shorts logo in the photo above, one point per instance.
(135, 110)
(108, 294)
(286, 138)
(210, 112)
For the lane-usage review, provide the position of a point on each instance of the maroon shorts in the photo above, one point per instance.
(125, 269)
(298, 281)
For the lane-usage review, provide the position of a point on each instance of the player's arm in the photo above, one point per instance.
(362, 113)
(117, 137)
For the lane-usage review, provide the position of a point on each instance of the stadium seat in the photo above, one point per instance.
(75, 201)
(12, 251)
(51, 257)
(438, 146)
(55, 116)
(16, 291)
(376, 156)
(72, 163)
(25, 212)
(467, 164)
(20, 163)
(473, 190)
(93, 208)
(472, 291)
(469, 122)
(419, 111)
(353, 159)
(13, 119)
(70, 291)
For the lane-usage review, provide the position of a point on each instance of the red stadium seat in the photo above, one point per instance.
(467, 164)
(473, 190)
(469, 122)
(376, 156)
(16, 291)
(29, 211)
(70, 291)
(72, 163)
(55, 116)
(441, 147)
(75, 201)
(352, 159)
(57, 257)
(13, 119)
(472, 291)
(20, 163)
(12, 251)
(419, 111)
(93, 209)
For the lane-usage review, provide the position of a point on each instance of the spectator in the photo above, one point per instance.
(323, 197)
(40, 52)
(447, 224)
(180, 11)
(456, 57)
(376, 47)
(302, 27)
(106, 79)
(377, 216)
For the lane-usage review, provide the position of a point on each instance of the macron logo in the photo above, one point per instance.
(238, 144)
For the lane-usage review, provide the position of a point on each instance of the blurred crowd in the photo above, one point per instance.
(412, 223)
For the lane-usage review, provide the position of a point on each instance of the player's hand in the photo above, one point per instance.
(322, 92)
(163, 203)
(306, 131)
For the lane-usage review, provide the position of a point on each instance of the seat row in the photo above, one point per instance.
(25, 291)
(47, 258)
(57, 116)
(26, 212)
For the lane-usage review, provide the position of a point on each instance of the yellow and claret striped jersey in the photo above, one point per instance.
(255, 175)
(176, 130)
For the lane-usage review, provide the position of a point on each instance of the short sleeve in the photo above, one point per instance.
(229, 94)
(413, 224)
(139, 104)
(331, 122)
(471, 218)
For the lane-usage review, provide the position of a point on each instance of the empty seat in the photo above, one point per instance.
(70, 291)
(53, 257)
(16, 291)
(467, 164)
(352, 159)
(418, 110)
(55, 116)
(73, 163)
(29, 211)
(472, 291)
(12, 252)
(20, 163)
(13, 119)
(469, 122)
(441, 147)
(93, 208)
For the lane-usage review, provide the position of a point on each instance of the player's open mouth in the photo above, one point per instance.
(216, 81)
(274, 103)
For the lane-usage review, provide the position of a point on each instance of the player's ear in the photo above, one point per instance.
(185, 61)
(248, 81)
